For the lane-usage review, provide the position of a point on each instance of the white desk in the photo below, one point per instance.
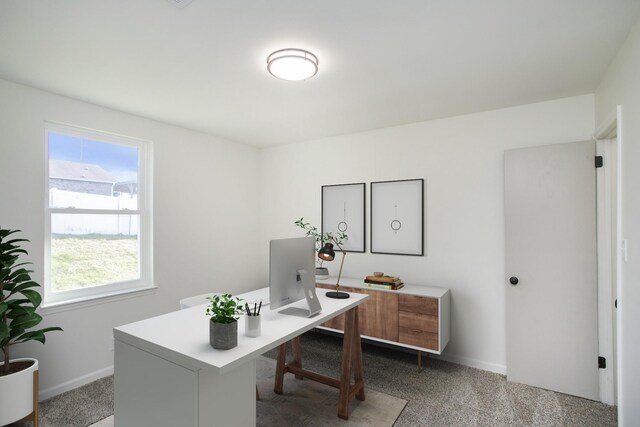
(166, 374)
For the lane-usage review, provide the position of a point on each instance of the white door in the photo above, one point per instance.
(551, 277)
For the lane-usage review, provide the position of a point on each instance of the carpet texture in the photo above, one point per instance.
(80, 407)
(447, 394)
(444, 394)
(311, 404)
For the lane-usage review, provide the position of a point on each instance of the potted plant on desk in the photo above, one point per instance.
(18, 318)
(224, 311)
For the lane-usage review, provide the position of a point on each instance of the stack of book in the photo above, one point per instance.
(384, 282)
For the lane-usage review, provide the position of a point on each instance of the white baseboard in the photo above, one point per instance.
(453, 358)
(101, 373)
(74, 383)
(473, 363)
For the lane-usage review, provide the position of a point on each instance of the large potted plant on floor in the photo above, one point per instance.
(224, 311)
(18, 319)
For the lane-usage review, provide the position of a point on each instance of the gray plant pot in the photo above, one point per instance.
(223, 336)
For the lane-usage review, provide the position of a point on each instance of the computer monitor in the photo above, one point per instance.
(292, 275)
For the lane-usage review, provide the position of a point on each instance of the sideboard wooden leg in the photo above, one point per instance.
(297, 355)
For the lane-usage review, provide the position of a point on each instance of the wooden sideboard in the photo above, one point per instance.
(416, 317)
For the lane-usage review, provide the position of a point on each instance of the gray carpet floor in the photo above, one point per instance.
(447, 394)
(444, 394)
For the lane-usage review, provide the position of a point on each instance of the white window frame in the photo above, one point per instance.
(53, 298)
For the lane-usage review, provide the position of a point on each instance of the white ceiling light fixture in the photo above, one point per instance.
(292, 64)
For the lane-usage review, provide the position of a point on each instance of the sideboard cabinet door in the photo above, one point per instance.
(378, 315)
(418, 321)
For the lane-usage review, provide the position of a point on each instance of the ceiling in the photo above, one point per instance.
(382, 63)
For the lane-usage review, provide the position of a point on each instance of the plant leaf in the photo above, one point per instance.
(32, 296)
(26, 321)
(52, 328)
(17, 302)
(4, 331)
(33, 335)
(20, 311)
(23, 286)
(6, 232)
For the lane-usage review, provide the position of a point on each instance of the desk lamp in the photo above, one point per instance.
(328, 254)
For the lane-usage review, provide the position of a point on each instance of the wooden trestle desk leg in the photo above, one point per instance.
(297, 356)
(357, 359)
(280, 368)
(351, 358)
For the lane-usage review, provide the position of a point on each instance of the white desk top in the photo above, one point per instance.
(425, 291)
(183, 336)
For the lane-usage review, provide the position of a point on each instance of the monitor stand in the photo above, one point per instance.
(309, 288)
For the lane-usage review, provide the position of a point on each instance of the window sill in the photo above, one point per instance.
(57, 307)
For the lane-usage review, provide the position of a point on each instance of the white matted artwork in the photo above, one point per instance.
(343, 212)
(397, 213)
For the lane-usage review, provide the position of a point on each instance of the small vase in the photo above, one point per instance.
(322, 273)
(223, 336)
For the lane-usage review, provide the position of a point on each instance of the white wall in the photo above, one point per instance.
(204, 223)
(461, 160)
(208, 222)
(621, 86)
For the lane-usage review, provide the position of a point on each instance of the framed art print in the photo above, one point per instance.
(397, 217)
(343, 211)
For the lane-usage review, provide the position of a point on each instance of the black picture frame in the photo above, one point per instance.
(385, 223)
(354, 199)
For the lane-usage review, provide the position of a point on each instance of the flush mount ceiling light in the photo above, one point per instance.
(292, 64)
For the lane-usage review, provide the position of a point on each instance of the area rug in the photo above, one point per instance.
(311, 404)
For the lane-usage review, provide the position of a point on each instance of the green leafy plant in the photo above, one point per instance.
(18, 299)
(224, 308)
(321, 238)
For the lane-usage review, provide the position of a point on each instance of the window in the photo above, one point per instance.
(98, 230)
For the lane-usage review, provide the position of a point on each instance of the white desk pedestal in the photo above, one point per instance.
(152, 392)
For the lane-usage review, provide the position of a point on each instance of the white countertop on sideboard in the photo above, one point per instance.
(419, 290)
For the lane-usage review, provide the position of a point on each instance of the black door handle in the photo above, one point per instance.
(513, 280)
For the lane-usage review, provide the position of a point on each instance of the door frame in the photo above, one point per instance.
(610, 128)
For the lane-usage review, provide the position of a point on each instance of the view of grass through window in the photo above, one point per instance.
(79, 261)
(94, 212)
